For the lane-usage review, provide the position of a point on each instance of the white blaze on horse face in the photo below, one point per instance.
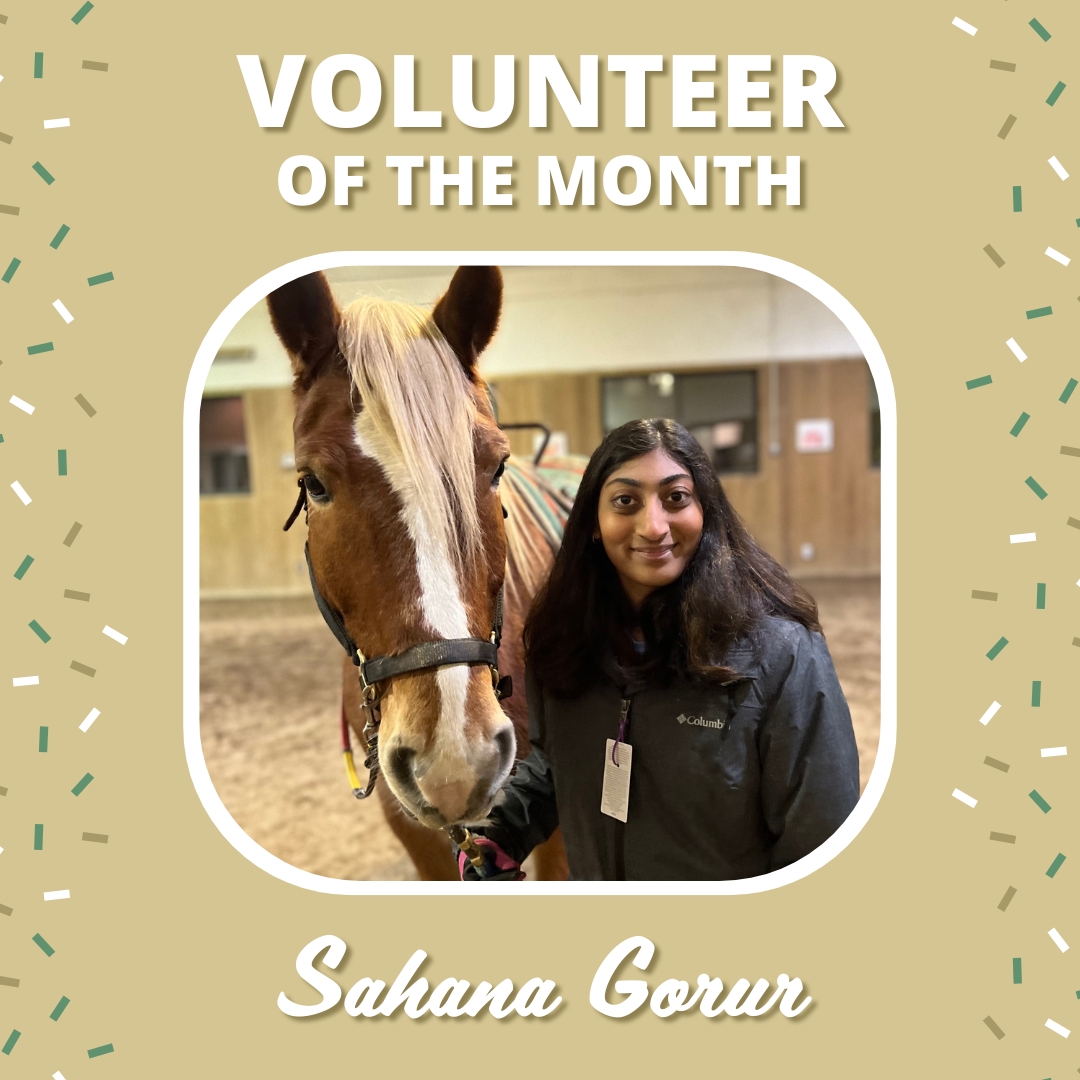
(440, 596)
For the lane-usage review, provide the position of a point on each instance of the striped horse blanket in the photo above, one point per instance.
(537, 500)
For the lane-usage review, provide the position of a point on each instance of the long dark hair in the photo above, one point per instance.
(582, 614)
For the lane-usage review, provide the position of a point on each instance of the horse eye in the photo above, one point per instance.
(498, 474)
(315, 489)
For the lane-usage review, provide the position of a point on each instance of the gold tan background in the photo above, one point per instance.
(172, 948)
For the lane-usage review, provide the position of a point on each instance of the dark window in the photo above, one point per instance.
(718, 407)
(223, 455)
(875, 426)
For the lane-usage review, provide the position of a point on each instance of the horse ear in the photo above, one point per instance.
(468, 313)
(306, 318)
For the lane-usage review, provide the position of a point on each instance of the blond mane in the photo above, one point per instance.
(418, 418)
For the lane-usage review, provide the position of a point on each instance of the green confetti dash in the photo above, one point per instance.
(95, 65)
(1055, 93)
(1039, 312)
(43, 740)
(1055, 866)
(998, 646)
(1039, 801)
(978, 594)
(100, 279)
(39, 630)
(82, 13)
(1036, 693)
(1040, 595)
(43, 172)
(1006, 900)
(1034, 485)
(9, 273)
(39, 65)
(1017, 974)
(85, 405)
(39, 837)
(74, 531)
(997, 260)
(96, 837)
(989, 1022)
(1040, 29)
(12, 1039)
(1021, 420)
(974, 384)
(99, 1050)
(1071, 451)
(23, 567)
(61, 1005)
(43, 945)
(58, 239)
(45, 346)
(81, 786)
(83, 669)
(1018, 200)
(1007, 126)
(1001, 766)
(61, 462)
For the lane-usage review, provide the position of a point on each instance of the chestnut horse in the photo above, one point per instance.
(401, 459)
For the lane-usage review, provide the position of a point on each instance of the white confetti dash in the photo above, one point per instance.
(1058, 940)
(20, 404)
(990, 713)
(1059, 1028)
(1, 78)
(1016, 350)
(1058, 168)
(25, 680)
(1057, 256)
(64, 313)
(58, 894)
(1023, 538)
(60, 121)
(1, 849)
(1054, 751)
(965, 26)
(21, 492)
(58, 1075)
(967, 800)
(91, 716)
(115, 635)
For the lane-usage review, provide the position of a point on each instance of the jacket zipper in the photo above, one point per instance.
(620, 845)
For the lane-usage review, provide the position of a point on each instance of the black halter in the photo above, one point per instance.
(422, 657)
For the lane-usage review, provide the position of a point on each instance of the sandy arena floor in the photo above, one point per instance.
(270, 688)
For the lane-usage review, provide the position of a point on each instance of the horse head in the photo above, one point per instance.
(400, 459)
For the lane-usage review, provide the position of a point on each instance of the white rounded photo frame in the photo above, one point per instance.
(796, 275)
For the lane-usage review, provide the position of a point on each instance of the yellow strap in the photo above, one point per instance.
(350, 768)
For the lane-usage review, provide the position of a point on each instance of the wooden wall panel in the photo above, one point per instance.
(244, 550)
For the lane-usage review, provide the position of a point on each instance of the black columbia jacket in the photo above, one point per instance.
(726, 781)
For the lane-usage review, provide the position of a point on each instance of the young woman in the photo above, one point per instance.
(685, 717)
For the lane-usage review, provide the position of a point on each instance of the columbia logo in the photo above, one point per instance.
(699, 721)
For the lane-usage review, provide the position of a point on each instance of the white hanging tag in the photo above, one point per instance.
(616, 795)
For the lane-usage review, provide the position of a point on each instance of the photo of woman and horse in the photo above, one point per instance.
(436, 427)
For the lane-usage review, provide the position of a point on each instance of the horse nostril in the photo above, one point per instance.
(399, 765)
(506, 745)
